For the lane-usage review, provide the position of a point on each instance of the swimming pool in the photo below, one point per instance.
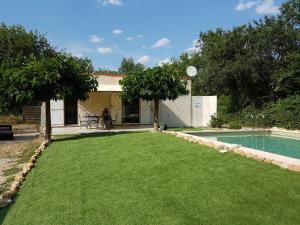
(279, 145)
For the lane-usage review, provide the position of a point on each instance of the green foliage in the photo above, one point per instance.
(157, 83)
(216, 121)
(16, 44)
(164, 126)
(286, 113)
(17, 48)
(45, 78)
(31, 70)
(128, 66)
(235, 125)
(252, 64)
(105, 71)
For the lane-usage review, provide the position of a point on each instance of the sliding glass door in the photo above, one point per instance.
(131, 112)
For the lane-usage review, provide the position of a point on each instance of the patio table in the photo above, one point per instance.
(93, 120)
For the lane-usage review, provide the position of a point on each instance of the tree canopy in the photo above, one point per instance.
(32, 70)
(253, 64)
(128, 66)
(154, 84)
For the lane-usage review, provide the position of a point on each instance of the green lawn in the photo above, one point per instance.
(187, 129)
(149, 179)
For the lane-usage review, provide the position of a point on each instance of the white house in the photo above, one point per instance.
(185, 111)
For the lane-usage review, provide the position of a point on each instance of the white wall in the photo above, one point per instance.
(57, 113)
(178, 112)
(146, 112)
(203, 107)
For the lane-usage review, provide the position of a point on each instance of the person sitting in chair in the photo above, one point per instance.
(107, 119)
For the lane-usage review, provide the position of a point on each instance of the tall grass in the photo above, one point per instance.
(11, 119)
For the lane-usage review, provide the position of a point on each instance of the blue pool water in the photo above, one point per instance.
(279, 145)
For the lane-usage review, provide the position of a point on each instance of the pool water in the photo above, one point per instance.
(279, 145)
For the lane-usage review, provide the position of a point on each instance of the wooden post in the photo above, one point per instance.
(48, 120)
(156, 115)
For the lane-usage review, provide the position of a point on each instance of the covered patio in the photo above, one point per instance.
(66, 130)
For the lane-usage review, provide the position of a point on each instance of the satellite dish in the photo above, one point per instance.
(191, 71)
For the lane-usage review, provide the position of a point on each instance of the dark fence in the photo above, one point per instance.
(31, 114)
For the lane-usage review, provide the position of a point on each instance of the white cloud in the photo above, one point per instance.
(144, 59)
(161, 43)
(261, 6)
(245, 5)
(267, 7)
(77, 54)
(131, 38)
(104, 50)
(196, 47)
(95, 39)
(165, 61)
(117, 31)
(112, 2)
(78, 50)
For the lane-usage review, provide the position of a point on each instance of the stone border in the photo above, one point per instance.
(279, 160)
(19, 179)
(284, 132)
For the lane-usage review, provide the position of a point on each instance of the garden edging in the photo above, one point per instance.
(6, 198)
(281, 161)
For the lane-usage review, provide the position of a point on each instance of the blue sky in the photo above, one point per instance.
(149, 31)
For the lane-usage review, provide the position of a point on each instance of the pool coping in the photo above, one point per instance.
(284, 162)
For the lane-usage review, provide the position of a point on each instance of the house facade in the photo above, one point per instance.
(185, 111)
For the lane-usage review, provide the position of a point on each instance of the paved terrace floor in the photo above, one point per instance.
(83, 130)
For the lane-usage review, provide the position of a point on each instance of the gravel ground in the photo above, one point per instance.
(13, 153)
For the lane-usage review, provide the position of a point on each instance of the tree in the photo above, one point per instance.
(17, 43)
(18, 47)
(34, 71)
(128, 66)
(154, 84)
(46, 79)
(105, 71)
(253, 64)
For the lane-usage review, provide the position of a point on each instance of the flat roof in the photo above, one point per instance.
(123, 75)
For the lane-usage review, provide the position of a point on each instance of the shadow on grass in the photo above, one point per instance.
(4, 211)
(59, 138)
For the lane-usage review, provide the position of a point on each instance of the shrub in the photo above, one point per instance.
(235, 125)
(286, 112)
(10, 119)
(164, 126)
(216, 121)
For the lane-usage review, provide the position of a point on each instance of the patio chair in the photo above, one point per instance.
(83, 122)
(114, 121)
(101, 124)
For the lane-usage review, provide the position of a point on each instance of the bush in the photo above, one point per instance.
(10, 119)
(286, 112)
(164, 126)
(216, 121)
(235, 125)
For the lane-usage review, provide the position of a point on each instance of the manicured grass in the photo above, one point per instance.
(186, 129)
(146, 178)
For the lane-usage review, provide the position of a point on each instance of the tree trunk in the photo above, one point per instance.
(156, 115)
(48, 120)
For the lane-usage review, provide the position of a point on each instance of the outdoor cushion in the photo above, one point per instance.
(6, 132)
